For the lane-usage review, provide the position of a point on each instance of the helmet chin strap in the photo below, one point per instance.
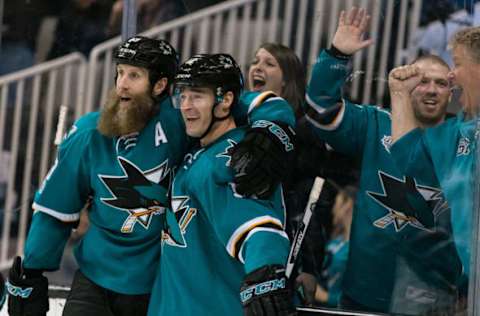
(213, 120)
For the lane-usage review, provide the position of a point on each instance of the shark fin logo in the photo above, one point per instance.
(141, 194)
(177, 221)
(228, 152)
(407, 203)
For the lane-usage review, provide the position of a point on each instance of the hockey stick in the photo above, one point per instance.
(300, 234)
(62, 116)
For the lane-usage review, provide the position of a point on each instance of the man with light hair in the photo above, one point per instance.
(446, 152)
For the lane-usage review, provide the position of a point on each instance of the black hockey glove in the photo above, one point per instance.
(266, 292)
(28, 291)
(263, 158)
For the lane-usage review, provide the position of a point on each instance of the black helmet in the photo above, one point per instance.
(219, 71)
(158, 56)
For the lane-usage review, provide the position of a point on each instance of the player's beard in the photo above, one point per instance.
(114, 122)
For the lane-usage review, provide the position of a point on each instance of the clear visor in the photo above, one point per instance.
(189, 95)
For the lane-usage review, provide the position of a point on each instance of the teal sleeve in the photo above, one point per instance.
(66, 187)
(254, 106)
(340, 123)
(348, 132)
(265, 248)
(252, 230)
(329, 75)
(45, 242)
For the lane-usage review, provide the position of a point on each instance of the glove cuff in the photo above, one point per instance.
(335, 52)
(282, 134)
(28, 295)
(263, 281)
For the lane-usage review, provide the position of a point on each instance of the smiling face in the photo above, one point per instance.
(196, 107)
(466, 75)
(430, 98)
(265, 73)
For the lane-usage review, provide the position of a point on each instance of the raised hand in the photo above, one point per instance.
(402, 80)
(348, 38)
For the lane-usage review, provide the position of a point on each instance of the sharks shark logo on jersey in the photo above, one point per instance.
(141, 194)
(407, 203)
(463, 146)
(387, 142)
(177, 221)
(227, 153)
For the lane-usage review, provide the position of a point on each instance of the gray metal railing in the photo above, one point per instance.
(29, 100)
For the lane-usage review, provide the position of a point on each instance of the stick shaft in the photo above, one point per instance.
(300, 234)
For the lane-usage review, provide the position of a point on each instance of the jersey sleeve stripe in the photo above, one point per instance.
(60, 216)
(313, 104)
(238, 237)
(256, 230)
(261, 98)
(329, 120)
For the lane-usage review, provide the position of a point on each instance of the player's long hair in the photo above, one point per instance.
(293, 75)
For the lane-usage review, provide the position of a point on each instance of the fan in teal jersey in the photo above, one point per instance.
(120, 159)
(402, 256)
(221, 250)
(447, 152)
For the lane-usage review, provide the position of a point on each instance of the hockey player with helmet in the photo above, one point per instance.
(217, 242)
(398, 241)
(121, 158)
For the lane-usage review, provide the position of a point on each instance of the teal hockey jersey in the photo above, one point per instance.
(381, 231)
(448, 153)
(126, 178)
(214, 237)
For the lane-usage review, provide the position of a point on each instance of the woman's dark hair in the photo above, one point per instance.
(293, 75)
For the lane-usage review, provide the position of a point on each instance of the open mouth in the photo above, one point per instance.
(430, 103)
(125, 99)
(191, 119)
(258, 84)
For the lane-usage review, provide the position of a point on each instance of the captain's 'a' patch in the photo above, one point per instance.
(141, 194)
(407, 203)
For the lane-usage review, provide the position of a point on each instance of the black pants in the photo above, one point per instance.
(87, 298)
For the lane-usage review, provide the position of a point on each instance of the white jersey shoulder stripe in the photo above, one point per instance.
(247, 227)
(261, 98)
(313, 104)
(256, 230)
(60, 216)
(334, 124)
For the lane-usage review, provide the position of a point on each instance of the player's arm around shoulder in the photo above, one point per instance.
(263, 158)
(264, 106)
